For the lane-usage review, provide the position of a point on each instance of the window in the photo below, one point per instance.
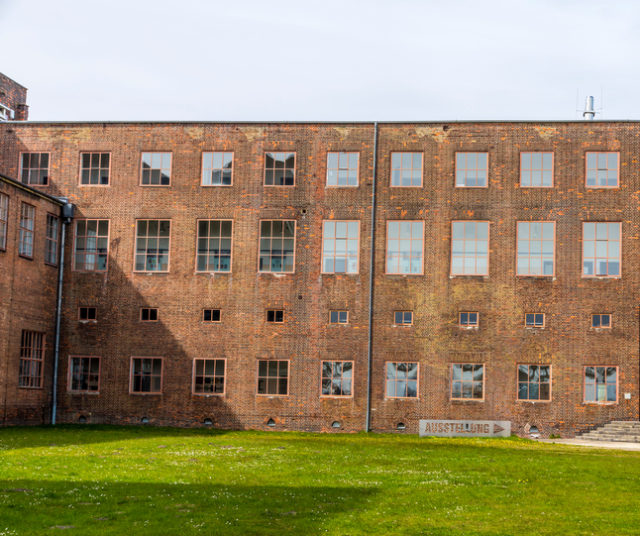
(273, 377)
(534, 382)
(148, 314)
(146, 375)
(601, 321)
(211, 315)
(51, 240)
(470, 248)
(27, 223)
(338, 317)
(84, 374)
(275, 315)
(403, 318)
(214, 245)
(342, 169)
(536, 170)
(467, 381)
(92, 245)
(534, 320)
(34, 168)
(401, 380)
(601, 384)
(405, 243)
(208, 376)
(31, 359)
(277, 246)
(601, 249)
(152, 245)
(340, 247)
(536, 248)
(472, 170)
(602, 170)
(156, 169)
(468, 320)
(94, 169)
(4, 217)
(87, 314)
(217, 169)
(406, 169)
(279, 169)
(336, 378)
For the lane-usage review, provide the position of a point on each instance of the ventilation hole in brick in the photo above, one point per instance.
(144, 420)
(401, 427)
(299, 296)
(271, 422)
(445, 127)
(207, 422)
(336, 424)
(304, 210)
(82, 419)
(534, 430)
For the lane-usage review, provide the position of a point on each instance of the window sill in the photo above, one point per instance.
(76, 393)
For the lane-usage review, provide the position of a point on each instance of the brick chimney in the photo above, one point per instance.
(13, 100)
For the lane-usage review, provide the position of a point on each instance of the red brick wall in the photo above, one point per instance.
(14, 96)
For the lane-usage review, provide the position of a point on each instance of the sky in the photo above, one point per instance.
(299, 60)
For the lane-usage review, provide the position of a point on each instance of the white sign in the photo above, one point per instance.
(465, 428)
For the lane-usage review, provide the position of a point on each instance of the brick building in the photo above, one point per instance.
(221, 273)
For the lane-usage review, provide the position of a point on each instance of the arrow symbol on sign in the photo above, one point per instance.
(497, 428)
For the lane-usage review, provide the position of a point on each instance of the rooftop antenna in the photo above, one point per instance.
(589, 111)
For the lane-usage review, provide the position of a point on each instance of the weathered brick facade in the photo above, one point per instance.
(14, 97)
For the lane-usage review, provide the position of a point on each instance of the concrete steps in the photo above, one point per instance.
(627, 431)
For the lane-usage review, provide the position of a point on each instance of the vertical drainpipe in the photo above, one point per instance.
(66, 212)
(371, 273)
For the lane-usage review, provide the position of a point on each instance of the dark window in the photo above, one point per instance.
(279, 169)
(534, 320)
(152, 245)
(338, 317)
(336, 378)
(84, 374)
(534, 382)
(35, 168)
(277, 245)
(148, 314)
(601, 321)
(273, 377)
(88, 314)
(217, 169)
(214, 245)
(467, 381)
(275, 315)
(31, 359)
(211, 315)
(51, 241)
(469, 320)
(4, 217)
(403, 318)
(156, 169)
(92, 245)
(27, 224)
(208, 376)
(401, 380)
(146, 375)
(94, 169)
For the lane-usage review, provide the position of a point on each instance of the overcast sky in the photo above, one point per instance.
(322, 60)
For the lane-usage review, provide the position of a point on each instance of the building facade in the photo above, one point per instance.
(343, 276)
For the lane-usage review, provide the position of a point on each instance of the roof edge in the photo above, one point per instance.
(30, 190)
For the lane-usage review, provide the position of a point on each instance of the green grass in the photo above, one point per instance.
(114, 480)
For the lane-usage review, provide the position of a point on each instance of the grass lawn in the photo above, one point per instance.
(140, 480)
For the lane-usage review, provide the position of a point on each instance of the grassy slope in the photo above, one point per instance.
(112, 480)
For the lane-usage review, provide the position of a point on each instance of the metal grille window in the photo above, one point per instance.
(467, 381)
(4, 217)
(470, 248)
(84, 374)
(405, 246)
(406, 169)
(601, 321)
(601, 384)
(342, 169)
(279, 169)
(401, 380)
(337, 377)
(51, 240)
(534, 320)
(534, 382)
(92, 245)
(217, 169)
(603, 170)
(472, 170)
(152, 245)
(156, 169)
(601, 249)
(273, 377)
(277, 245)
(214, 245)
(146, 375)
(94, 169)
(208, 376)
(27, 224)
(536, 248)
(31, 359)
(34, 169)
(536, 170)
(340, 247)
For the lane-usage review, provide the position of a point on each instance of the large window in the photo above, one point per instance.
(31, 359)
(152, 245)
(208, 376)
(536, 170)
(146, 375)
(27, 224)
(51, 240)
(4, 217)
(214, 245)
(534, 382)
(472, 170)
(217, 169)
(156, 169)
(470, 248)
(406, 169)
(467, 381)
(94, 169)
(401, 380)
(536, 248)
(34, 169)
(337, 377)
(601, 249)
(342, 169)
(340, 247)
(84, 374)
(277, 245)
(405, 246)
(279, 169)
(92, 245)
(273, 377)
(601, 384)
(602, 170)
